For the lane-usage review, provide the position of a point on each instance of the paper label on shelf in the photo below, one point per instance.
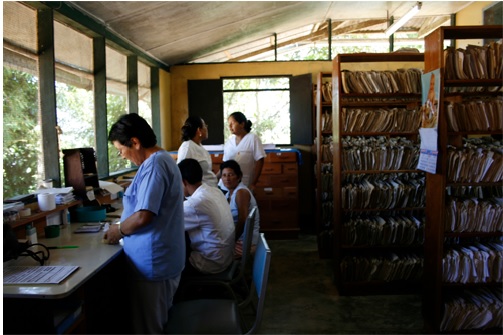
(429, 150)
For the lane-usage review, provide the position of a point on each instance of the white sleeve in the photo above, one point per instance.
(182, 152)
(258, 149)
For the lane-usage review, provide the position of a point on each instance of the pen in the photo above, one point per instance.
(64, 247)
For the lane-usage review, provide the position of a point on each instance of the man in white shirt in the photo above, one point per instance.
(208, 222)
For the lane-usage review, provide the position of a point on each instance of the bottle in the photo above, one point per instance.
(31, 234)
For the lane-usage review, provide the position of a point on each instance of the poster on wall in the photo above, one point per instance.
(429, 122)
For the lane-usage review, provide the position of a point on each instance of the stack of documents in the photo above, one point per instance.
(381, 230)
(476, 114)
(474, 62)
(385, 267)
(380, 119)
(480, 160)
(63, 195)
(383, 191)
(474, 215)
(371, 82)
(480, 308)
(476, 263)
(379, 153)
(326, 121)
(477, 191)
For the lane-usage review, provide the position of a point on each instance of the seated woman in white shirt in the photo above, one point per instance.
(209, 225)
(241, 201)
(194, 131)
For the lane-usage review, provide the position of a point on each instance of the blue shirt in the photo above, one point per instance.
(157, 250)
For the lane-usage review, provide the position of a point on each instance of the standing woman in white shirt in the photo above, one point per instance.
(194, 131)
(245, 148)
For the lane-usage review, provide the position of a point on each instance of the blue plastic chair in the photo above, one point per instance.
(225, 316)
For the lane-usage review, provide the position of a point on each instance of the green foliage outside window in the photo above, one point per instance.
(264, 101)
(21, 133)
(116, 106)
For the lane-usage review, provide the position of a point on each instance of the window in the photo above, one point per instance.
(78, 123)
(74, 90)
(116, 102)
(22, 144)
(144, 93)
(266, 103)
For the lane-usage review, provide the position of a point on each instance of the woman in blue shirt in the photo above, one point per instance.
(151, 224)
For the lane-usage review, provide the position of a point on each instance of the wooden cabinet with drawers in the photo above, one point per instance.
(277, 195)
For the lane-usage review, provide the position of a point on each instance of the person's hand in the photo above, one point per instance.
(112, 236)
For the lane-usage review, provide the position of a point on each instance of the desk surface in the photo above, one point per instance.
(91, 255)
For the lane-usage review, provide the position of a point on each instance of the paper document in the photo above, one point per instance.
(36, 274)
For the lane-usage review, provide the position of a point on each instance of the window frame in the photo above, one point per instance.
(46, 14)
(288, 89)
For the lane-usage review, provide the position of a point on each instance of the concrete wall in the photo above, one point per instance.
(472, 15)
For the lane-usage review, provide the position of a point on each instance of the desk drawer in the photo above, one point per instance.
(263, 193)
(271, 169)
(278, 157)
(290, 168)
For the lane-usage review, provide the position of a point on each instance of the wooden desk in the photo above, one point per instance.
(91, 256)
(97, 286)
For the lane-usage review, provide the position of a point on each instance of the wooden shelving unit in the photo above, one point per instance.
(323, 171)
(347, 256)
(438, 240)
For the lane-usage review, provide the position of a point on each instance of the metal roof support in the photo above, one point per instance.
(275, 47)
(91, 27)
(329, 27)
(391, 37)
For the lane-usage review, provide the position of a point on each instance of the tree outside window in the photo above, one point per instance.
(265, 101)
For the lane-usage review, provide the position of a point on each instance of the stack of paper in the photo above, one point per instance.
(380, 119)
(381, 230)
(63, 195)
(476, 115)
(371, 82)
(382, 267)
(474, 62)
(476, 263)
(470, 214)
(379, 153)
(383, 191)
(480, 160)
(480, 308)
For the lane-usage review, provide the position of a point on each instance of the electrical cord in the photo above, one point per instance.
(39, 255)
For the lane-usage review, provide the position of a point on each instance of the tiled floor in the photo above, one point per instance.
(302, 299)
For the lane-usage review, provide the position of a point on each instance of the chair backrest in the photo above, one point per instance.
(261, 263)
(248, 237)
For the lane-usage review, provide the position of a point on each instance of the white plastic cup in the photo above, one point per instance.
(46, 201)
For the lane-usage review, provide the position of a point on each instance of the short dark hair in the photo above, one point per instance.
(190, 127)
(241, 118)
(191, 170)
(232, 164)
(129, 126)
